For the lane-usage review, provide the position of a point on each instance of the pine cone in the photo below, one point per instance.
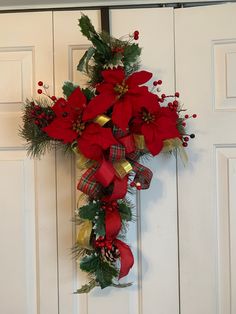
(110, 255)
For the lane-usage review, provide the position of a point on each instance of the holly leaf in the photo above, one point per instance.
(131, 53)
(83, 64)
(86, 27)
(100, 224)
(89, 211)
(125, 211)
(88, 93)
(90, 263)
(105, 273)
(68, 88)
(87, 287)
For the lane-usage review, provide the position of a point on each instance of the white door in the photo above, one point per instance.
(206, 76)
(28, 263)
(38, 197)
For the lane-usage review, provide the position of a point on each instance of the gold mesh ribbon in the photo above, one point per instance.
(82, 162)
(102, 119)
(122, 167)
(173, 143)
(139, 141)
(84, 234)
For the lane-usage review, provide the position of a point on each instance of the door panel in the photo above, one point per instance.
(28, 203)
(69, 47)
(205, 69)
(154, 237)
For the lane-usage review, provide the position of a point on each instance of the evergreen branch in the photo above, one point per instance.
(87, 287)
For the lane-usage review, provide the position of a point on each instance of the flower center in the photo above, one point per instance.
(147, 117)
(121, 89)
(78, 126)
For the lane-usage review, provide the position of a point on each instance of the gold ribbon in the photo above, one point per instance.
(102, 119)
(139, 141)
(81, 161)
(173, 143)
(84, 234)
(122, 167)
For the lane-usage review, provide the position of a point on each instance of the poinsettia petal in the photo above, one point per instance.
(148, 101)
(139, 78)
(138, 91)
(114, 76)
(77, 99)
(105, 88)
(60, 107)
(122, 113)
(166, 127)
(89, 149)
(153, 140)
(98, 105)
(61, 129)
(99, 135)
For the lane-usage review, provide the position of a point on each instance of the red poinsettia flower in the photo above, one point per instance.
(120, 92)
(68, 127)
(156, 124)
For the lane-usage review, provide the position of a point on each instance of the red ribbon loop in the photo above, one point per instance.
(87, 183)
(128, 143)
(105, 173)
(143, 175)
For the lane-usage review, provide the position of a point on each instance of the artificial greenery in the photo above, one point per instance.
(103, 270)
(106, 52)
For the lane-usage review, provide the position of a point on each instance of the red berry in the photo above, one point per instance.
(194, 115)
(183, 124)
(39, 91)
(136, 35)
(185, 144)
(40, 83)
(159, 82)
(186, 116)
(155, 83)
(139, 187)
(163, 96)
(175, 103)
(132, 184)
(177, 94)
(53, 98)
(186, 139)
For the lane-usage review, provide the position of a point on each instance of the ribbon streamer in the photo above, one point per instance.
(173, 143)
(139, 141)
(84, 234)
(126, 257)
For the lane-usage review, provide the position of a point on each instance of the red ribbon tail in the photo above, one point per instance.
(112, 223)
(126, 258)
(119, 190)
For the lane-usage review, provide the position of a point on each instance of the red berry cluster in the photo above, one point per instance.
(41, 116)
(45, 87)
(137, 185)
(118, 50)
(186, 137)
(159, 82)
(102, 242)
(110, 206)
